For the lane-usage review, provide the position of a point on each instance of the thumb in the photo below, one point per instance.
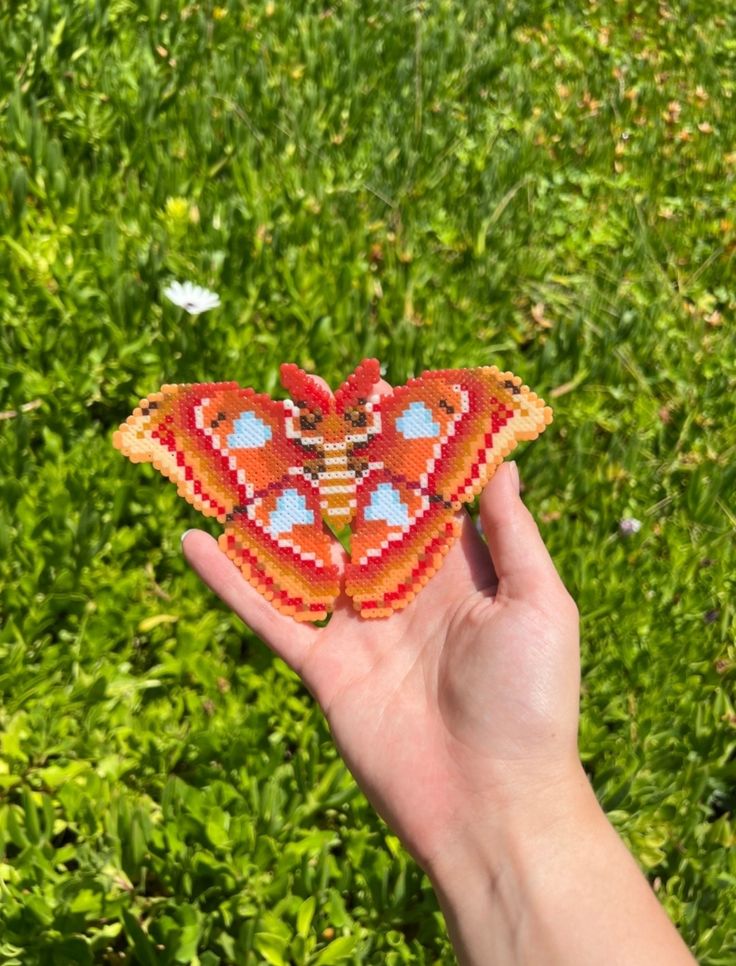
(521, 560)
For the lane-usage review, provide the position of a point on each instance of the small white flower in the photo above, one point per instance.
(192, 298)
(629, 525)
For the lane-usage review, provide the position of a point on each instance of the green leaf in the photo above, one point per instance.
(337, 951)
(304, 916)
(144, 948)
(218, 822)
(30, 812)
(72, 951)
(155, 620)
(40, 908)
(271, 947)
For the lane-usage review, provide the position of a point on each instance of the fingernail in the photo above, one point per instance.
(515, 476)
(184, 535)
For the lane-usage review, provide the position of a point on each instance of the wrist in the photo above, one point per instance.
(545, 878)
(497, 832)
(490, 873)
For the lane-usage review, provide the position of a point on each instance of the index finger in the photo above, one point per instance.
(283, 635)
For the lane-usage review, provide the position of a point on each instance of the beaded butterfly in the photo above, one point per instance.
(395, 467)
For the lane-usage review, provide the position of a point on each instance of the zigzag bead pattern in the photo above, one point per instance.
(395, 468)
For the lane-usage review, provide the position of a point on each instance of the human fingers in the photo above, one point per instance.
(287, 638)
(322, 383)
(477, 555)
(381, 388)
(522, 562)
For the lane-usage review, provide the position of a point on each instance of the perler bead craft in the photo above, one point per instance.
(395, 467)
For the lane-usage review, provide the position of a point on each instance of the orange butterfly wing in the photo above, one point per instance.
(226, 449)
(442, 437)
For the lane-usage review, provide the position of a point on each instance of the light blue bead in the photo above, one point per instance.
(249, 432)
(386, 505)
(291, 510)
(416, 422)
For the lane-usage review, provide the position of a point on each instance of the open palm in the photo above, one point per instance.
(471, 690)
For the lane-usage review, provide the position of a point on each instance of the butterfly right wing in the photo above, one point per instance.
(226, 449)
(443, 435)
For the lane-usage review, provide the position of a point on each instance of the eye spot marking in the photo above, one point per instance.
(249, 432)
(291, 510)
(417, 422)
(356, 417)
(309, 419)
(386, 504)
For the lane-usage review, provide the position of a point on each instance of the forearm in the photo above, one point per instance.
(557, 887)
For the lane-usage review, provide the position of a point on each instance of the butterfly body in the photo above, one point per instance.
(395, 467)
(331, 441)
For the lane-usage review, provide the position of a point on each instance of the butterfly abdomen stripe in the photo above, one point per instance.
(337, 487)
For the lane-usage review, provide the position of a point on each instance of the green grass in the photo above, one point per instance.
(549, 187)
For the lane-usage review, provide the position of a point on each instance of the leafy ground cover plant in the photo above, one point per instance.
(542, 186)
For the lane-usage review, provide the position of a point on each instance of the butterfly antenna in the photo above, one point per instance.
(304, 388)
(359, 385)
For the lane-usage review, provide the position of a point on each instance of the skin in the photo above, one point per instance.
(458, 718)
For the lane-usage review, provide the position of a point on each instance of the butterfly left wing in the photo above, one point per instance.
(227, 450)
(441, 438)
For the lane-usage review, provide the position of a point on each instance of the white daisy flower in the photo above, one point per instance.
(628, 526)
(192, 298)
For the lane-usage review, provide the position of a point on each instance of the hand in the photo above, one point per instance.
(469, 694)
(458, 718)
